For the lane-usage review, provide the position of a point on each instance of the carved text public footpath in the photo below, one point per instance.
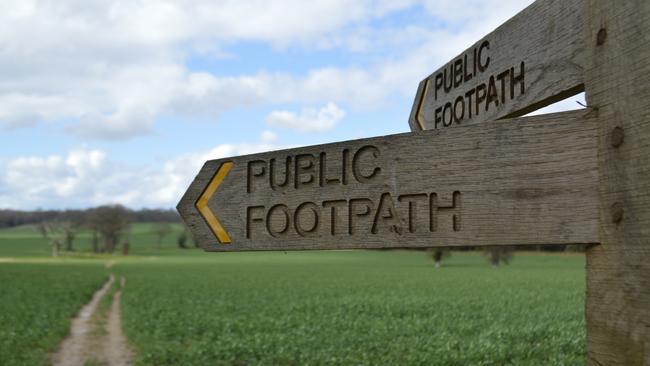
(442, 187)
(345, 216)
(501, 86)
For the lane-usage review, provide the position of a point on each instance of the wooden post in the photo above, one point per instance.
(617, 83)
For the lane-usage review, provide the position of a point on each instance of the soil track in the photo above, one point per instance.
(96, 338)
(116, 349)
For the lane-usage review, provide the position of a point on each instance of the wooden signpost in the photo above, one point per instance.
(566, 178)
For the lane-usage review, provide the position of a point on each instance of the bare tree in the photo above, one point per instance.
(498, 255)
(437, 254)
(52, 232)
(112, 223)
(182, 239)
(69, 229)
(41, 227)
(126, 246)
(92, 223)
(161, 230)
(70, 222)
(95, 241)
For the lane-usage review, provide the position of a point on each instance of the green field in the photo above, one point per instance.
(186, 307)
(36, 302)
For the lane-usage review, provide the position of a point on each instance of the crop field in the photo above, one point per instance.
(355, 308)
(186, 307)
(37, 301)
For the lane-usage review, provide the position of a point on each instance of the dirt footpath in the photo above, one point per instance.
(96, 337)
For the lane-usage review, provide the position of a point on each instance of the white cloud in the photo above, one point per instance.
(87, 177)
(25, 110)
(495, 12)
(568, 104)
(269, 137)
(110, 69)
(309, 119)
(29, 180)
(115, 66)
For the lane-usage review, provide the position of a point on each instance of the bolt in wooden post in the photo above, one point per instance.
(618, 136)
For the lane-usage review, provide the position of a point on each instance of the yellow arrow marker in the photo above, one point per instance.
(202, 203)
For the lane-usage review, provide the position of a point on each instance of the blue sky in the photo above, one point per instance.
(122, 101)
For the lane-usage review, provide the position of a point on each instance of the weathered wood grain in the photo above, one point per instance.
(544, 40)
(617, 41)
(522, 181)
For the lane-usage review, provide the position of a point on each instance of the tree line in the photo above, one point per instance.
(500, 255)
(109, 226)
(11, 218)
